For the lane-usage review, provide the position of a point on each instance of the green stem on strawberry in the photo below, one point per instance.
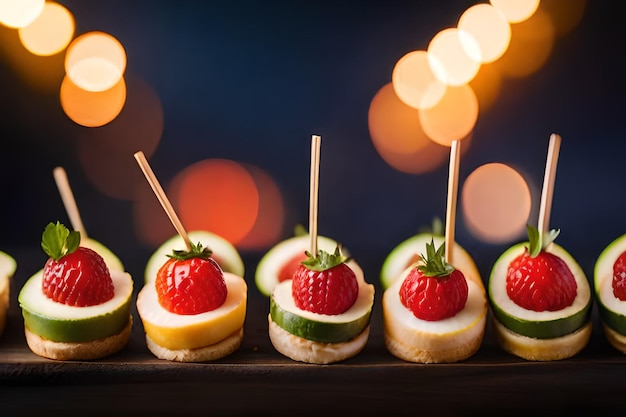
(324, 260)
(434, 263)
(538, 241)
(58, 241)
(195, 251)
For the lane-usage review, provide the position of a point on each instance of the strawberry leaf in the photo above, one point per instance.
(58, 241)
(196, 251)
(434, 263)
(538, 241)
(324, 260)
(534, 241)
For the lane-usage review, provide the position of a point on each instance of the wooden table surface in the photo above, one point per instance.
(258, 380)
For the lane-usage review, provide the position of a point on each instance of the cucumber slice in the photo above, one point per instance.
(612, 310)
(8, 265)
(224, 253)
(61, 323)
(111, 259)
(544, 324)
(268, 270)
(7, 269)
(407, 253)
(321, 327)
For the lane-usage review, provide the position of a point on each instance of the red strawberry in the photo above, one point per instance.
(191, 282)
(619, 277)
(287, 271)
(538, 280)
(73, 275)
(325, 284)
(434, 290)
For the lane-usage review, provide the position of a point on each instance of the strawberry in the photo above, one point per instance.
(619, 277)
(290, 267)
(539, 280)
(73, 275)
(434, 290)
(324, 284)
(191, 282)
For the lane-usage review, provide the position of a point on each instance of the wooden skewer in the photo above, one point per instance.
(453, 185)
(63, 184)
(165, 202)
(548, 184)
(313, 191)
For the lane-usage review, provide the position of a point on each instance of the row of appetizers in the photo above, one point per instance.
(193, 300)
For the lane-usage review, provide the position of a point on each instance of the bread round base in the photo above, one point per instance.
(444, 355)
(203, 354)
(542, 349)
(64, 351)
(309, 351)
(617, 340)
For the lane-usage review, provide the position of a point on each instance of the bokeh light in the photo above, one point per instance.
(19, 13)
(453, 118)
(535, 34)
(565, 16)
(151, 224)
(448, 58)
(92, 109)
(270, 220)
(516, 11)
(105, 153)
(487, 86)
(496, 203)
(414, 82)
(50, 32)
(398, 136)
(40, 73)
(95, 61)
(217, 195)
(489, 28)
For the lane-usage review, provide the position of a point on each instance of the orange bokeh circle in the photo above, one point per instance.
(217, 195)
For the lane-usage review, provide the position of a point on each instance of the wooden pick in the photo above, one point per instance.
(313, 191)
(453, 185)
(63, 184)
(165, 202)
(548, 184)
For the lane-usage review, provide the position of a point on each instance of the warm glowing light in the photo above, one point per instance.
(50, 32)
(516, 11)
(398, 136)
(448, 58)
(268, 227)
(217, 195)
(41, 73)
(151, 224)
(489, 28)
(565, 16)
(496, 203)
(19, 13)
(535, 34)
(91, 109)
(105, 153)
(453, 118)
(414, 82)
(95, 61)
(487, 85)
